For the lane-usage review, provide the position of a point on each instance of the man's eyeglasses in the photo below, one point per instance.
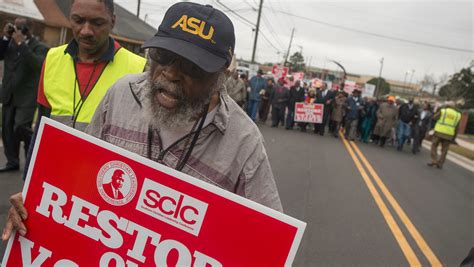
(166, 58)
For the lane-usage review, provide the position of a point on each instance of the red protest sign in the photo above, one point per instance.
(312, 113)
(298, 76)
(93, 204)
(275, 69)
(316, 83)
(279, 72)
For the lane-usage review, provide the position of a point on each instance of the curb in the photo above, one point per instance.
(454, 157)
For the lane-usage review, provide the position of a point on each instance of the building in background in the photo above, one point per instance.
(52, 23)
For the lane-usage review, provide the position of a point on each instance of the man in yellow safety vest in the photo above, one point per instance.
(445, 132)
(76, 76)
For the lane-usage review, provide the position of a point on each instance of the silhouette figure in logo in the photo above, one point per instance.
(112, 189)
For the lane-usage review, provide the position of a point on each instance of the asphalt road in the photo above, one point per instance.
(423, 215)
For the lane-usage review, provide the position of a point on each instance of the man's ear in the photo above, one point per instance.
(113, 20)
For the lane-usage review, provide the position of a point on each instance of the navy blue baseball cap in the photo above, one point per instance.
(199, 33)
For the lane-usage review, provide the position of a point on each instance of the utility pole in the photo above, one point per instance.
(308, 67)
(411, 77)
(301, 49)
(434, 89)
(289, 47)
(138, 8)
(377, 89)
(256, 31)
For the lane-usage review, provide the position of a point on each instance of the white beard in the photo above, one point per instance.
(187, 110)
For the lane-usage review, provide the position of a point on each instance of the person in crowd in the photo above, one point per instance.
(310, 97)
(386, 119)
(422, 127)
(354, 107)
(296, 94)
(375, 138)
(407, 115)
(180, 100)
(290, 82)
(257, 85)
(370, 114)
(324, 97)
(305, 87)
(265, 104)
(245, 79)
(279, 99)
(76, 76)
(445, 132)
(22, 54)
(236, 88)
(338, 113)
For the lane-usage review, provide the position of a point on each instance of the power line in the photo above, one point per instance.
(409, 20)
(278, 17)
(247, 23)
(269, 42)
(375, 34)
(272, 31)
(253, 8)
(288, 18)
(233, 12)
(291, 18)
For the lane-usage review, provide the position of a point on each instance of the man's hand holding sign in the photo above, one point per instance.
(120, 200)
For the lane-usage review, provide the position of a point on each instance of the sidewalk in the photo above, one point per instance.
(454, 157)
(465, 144)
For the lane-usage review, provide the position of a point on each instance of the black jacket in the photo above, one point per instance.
(295, 96)
(22, 69)
(326, 100)
(408, 115)
(279, 96)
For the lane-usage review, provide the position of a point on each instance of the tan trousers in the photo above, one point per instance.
(434, 150)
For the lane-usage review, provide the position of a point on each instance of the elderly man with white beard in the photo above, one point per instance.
(179, 114)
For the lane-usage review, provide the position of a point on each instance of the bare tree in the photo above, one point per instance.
(430, 83)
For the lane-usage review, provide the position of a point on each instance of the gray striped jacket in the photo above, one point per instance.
(229, 152)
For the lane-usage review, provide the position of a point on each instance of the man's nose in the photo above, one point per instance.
(173, 71)
(86, 29)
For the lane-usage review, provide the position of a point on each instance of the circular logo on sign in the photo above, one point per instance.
(116, 183)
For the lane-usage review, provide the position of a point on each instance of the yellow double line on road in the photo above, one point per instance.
(392, 224)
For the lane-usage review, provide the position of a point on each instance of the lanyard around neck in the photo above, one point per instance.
(184, 156)
(76, 108)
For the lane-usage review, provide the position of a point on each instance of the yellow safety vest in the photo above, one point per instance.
(61, 88)
(448, 121)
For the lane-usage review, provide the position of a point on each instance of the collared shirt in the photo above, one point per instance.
(87, 73)
(229, 152)
(170, 136)
(73, 50)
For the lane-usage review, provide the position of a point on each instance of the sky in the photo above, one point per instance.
(414, 38)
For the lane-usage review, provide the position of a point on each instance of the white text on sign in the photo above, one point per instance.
(109, 233)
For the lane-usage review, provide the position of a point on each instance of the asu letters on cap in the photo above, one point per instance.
(194, 26)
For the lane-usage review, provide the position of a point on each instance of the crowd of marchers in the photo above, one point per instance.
(382, 121)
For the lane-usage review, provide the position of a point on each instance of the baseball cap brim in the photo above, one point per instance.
(199, 56)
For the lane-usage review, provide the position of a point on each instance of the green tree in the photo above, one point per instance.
(297, 62)
(384, 86)
(460, 87)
